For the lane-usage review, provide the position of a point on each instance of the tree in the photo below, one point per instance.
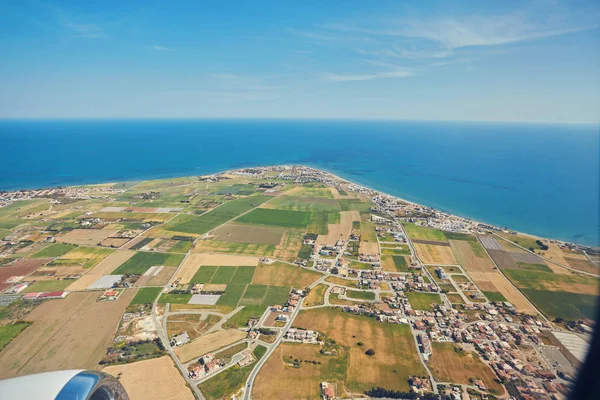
(360, 343)
(370, 352)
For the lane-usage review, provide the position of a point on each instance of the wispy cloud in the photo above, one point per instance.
(89, 31)
(369, 77)
(161, 48)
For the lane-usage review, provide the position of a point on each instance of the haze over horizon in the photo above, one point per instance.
(535, 61)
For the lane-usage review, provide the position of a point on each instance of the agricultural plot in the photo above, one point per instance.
(281, 218)
(155, 379)
(182, 246)
(280, 379)
(290, 246)
(249, 234)
(77, 323)
(360, 295)
(89, 237)
(281, 274)
(460, 366)
(311, 191)
(141, 261)
(397, 250)
(48, 286)
(395, 356)
(434, 254)
(204, 274)
(216, 246)
(146, 296)
(582, 265)
(310, 204)
(21, 267)
(207, 343)
(9, 332)
(394, 263)
(340, 230)
(85, 257)
(194, 324)
(355, 205)
(423, 301)
(468, 258)
(54, 250)
(421, 232)
(569, 306)
(368, 236)
(212, 219)
(194, 261)
(104, 267)
(254, 295)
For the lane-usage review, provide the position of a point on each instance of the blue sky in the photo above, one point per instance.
(421, 60)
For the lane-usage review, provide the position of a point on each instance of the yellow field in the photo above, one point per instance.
(434, 254)
(290, 245)
(155, 379)
(395, 356)
(280, 274)
(448, 365)
(278, 379)
(206, 344)
(316, 296)
(502, 285)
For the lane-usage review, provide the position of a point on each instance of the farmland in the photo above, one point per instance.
(280, 274)
(155, 379)
(211, 342)
(249, 234)
(310, 204)
(9, 332)
(218, 216)
(272, 217)
(54, 250)
(396, 359)
(146, 296)
(280, 379)
(456, 365)
(77, 322)
(86, 257)
(420, 232)
(435, 254)
(394, 263)
(316, 297)
(141, 261)
(217, 246)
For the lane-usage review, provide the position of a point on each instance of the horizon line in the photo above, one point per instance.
(370, 119)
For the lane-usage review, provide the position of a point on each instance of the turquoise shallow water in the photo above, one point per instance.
(540, 179)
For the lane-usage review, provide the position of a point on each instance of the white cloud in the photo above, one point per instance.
(370, 77)
(88, 31)
(161, 48)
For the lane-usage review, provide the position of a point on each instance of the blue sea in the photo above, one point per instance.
(539, 179)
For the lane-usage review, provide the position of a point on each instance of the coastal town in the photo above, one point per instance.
(239, 281)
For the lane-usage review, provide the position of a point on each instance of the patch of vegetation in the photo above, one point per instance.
(459, 236)
(130, 352)
(565, 305)
(146, 295)
(204, 274)
(54, 250)
(224, 275)
(276, 295)
(423, 301)
(141, 244)
(355, 205)
(357, 294)
(272, 217)
(370, 352)
(232, 295)
(175, 298)
(254, 294)
(48, 286)
(218, 216)
(241, 318)
(9, 332)
(182, 246)
(243, 275)
(534, 267)
(305, 251)
(495, 296)
(424, 233)
(141, 261)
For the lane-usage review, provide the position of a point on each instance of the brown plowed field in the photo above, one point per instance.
(503, 259)
(249, 234)
(433, 242)
(104, 267)
(86, 236)
(71, 333)
(20, 267)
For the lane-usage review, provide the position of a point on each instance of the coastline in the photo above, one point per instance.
(328, 172)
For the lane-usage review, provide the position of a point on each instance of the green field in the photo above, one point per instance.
(357, 294)
(86, 257)
(182, 246)
(254, 295)
(173, 298)
(423, 301)
(540, 280)
(206, 222)
(355, 205)
(305, 251)
(460, 236)
(231, 380)
(318, 223)
(309, 204)
(534, 267)
(270, 217)
(276, 295)
(48, 286)
(494, 296)
(9, 332)
(243, 275)
(232, 295)
(569, 306)
(424, 233)
(141, 261)
(54, 250)
(398, 251)
(240, 319)
(204, 274)
(224, 275)
(146, 295)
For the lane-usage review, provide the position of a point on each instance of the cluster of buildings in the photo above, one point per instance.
(301, 336)
(79, 193)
